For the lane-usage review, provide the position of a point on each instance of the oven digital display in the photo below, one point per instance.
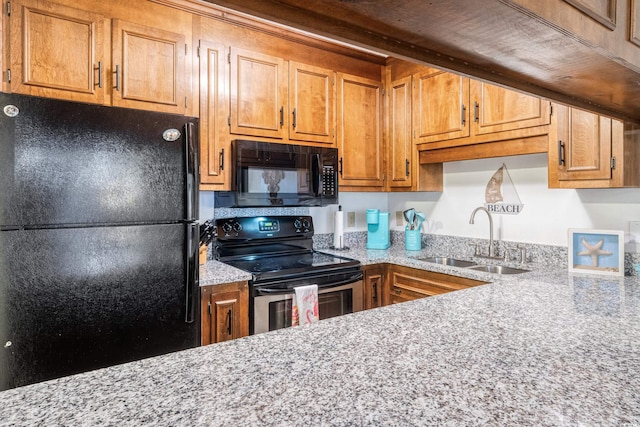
(269, 226)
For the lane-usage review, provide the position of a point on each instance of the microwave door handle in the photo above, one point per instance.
(315, 175)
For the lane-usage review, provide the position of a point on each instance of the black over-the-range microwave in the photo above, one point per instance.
(272, 174)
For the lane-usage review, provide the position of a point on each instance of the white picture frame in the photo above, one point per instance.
(596, 251)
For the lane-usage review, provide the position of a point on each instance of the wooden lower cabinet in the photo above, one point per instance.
(386, 284)
(407, 284)
(374, 276)
(225, 312)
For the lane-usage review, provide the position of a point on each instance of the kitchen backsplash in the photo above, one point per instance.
(448, 245)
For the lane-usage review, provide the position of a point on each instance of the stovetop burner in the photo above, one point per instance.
(269, 266)
(275, 247)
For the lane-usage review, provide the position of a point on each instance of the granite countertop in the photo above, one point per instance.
(543, 348)
(218, 273)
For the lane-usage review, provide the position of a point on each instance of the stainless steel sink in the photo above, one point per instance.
(498, 269)
(448, 261)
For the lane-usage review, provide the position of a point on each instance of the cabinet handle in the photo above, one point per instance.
(100, 74)
(222, 159)
(340, 170)
(476, 112)
(281, 116)
(118, 78)
(375, 291)
(463, 113)
(397, 290)
(294, 118)
(406, 167)
(229, 322)
(560, 153)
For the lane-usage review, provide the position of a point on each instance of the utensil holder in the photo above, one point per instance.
(412, 239)
(203, 254)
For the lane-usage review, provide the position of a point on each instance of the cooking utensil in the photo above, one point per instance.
(409, 215)
(207, 233)
(419, 219)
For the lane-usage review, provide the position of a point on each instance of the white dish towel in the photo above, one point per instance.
(304, 309)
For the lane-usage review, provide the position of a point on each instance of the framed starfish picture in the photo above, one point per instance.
(596, 251)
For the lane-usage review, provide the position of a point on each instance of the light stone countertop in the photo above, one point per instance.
(543, 348)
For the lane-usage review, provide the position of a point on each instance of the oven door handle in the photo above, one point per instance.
(269, 291)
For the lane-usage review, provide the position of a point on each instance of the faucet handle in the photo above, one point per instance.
(507, 253)
(523, 253)
(475, 248)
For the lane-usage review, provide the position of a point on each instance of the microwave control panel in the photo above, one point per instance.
(328, 180)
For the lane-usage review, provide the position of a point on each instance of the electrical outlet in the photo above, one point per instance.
(351, 219)
(399, 218)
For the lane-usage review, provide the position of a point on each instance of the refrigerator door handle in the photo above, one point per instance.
(192, 170)
(192, 269)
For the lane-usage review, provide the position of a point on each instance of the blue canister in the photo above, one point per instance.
(412, 239)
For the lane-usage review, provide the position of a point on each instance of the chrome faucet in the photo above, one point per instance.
(473, 214)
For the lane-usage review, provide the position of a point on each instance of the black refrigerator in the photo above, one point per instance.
(98, 237)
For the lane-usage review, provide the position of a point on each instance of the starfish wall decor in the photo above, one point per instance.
(594, 251)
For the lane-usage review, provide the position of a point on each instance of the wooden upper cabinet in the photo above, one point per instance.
(400, 152)
(56, 51)
(440, 106)
(148, 68)
(587, 150)
(584, 145)
(496, 109)
(258, 94)
(312, 103)
(215, 141)
(359, 132)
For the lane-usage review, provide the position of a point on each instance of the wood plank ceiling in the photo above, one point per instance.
(500, 41)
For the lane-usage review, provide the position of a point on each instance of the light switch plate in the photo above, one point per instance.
(351, 219)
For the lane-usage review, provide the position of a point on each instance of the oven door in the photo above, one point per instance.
(272, 311)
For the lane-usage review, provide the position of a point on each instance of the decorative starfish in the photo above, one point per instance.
(594, 251)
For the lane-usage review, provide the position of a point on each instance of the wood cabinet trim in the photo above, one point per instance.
(222, 14)
(608, 18)
(634, 22)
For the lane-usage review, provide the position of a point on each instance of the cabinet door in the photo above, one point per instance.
(400, 151)
(56, 51)
(373, 287)
(584, 143)
(406, 284)
(496, 109)
(312, 103)
(359, 132)
(225, 314)
(148, 68)
(215, 141)
(258, 94)
(440, 106)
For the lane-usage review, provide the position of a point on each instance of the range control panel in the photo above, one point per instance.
(264, 227)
